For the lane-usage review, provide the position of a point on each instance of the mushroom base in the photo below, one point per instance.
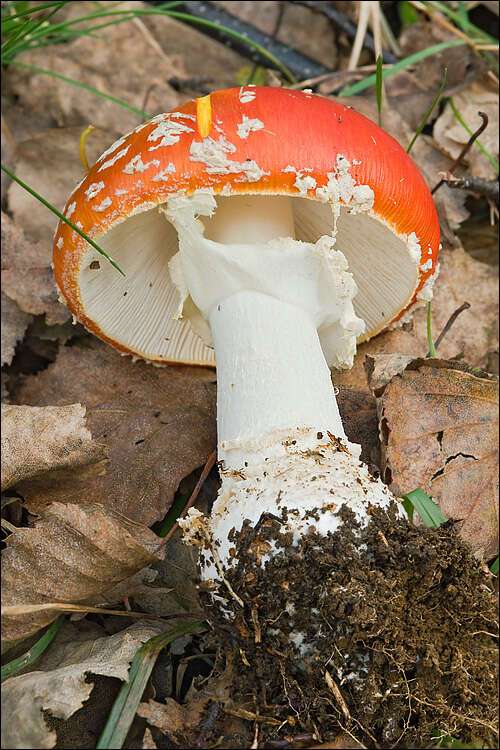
(382, 629)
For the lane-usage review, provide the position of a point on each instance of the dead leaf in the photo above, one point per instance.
(301, 28)
(148, 742)
(14, 325)
(39, 439)
(158, 425)
(27, 277)
(439, 431)
(174, 719)
(107, 62)
(73, 554)
(451, 136)
(64, 688)
(411, 91)
(475, 332)
(37, 161)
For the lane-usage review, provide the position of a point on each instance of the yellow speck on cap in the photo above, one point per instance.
(204, 115)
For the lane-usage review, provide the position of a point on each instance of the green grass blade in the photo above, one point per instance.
(185, 17)
(430, 340)
(378, 87)
(125, 706)
(429, 112)
(91, 89)
(27, 12)
(478, 143)
(32, 27)
(15, 666)
(426, 508)
(173, 514)
(63, 218)
(463, 22)
(494, 567)
(400, 65)
(407, 13)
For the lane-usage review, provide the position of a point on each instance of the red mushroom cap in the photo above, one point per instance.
(244, 140)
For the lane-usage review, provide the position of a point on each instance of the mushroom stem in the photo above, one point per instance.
(271, 374)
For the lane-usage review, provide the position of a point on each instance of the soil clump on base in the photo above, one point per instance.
(386, 631)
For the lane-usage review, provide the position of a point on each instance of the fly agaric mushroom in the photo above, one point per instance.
(280, 228)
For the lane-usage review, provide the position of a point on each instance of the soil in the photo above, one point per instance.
(386, 632)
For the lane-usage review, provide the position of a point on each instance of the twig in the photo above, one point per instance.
(204, 474)
(300, 65)
(465, 149)
(146, 95)
(438, 18)
(340, 20)
(220, 568)
(364, 15)
(486, 188)
(338, 695)
(449, 324)
(151, 40)
(338, 77)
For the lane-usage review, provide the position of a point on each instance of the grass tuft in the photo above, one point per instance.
(16, 665)
(125, 706)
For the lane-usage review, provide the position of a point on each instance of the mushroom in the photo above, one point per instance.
(279, 229)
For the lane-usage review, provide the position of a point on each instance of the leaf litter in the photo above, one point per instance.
(439, 431)
(62, 688)
(158, 425)
(40, 439)
(73, 553)
(53, 115)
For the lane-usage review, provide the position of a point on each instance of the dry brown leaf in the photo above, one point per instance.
(175, 590)
(63, 688)
(148, 742)
(109, 63)
(14, 325)
(412, 91)
(27, 277)
(174, 719)
(39, 439)
(74, 553)
(474, 334)
(439, 431)
(38, 160)
(451, 136)
(158, 425)
(301, 28)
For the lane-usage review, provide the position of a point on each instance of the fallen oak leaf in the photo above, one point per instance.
(72, 554)
(40, 439)
(158, 425)
(63, 690)
(27, 276)
(450, 135)
(34, 165)
(14, 325)
(106, 62)
(439, 430)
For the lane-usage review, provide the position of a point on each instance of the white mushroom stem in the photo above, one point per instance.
(266, 296)
(271, 374)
